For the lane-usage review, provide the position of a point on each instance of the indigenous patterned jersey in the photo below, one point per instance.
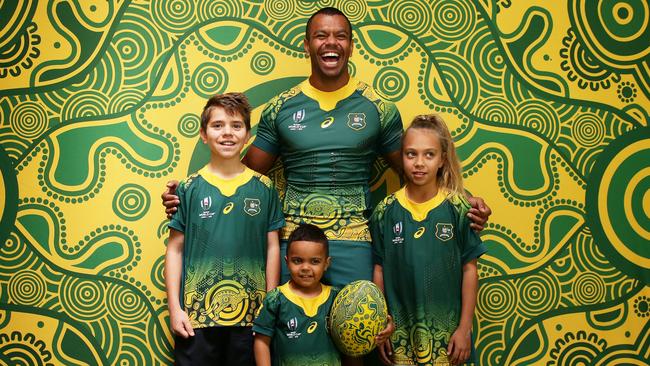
(298, 328)
(327, 142)
(422, 248)
(225, 223)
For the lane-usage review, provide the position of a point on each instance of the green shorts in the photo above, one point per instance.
(351, 261)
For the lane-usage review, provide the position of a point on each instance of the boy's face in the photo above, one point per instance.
(224, 134)
(307, 263)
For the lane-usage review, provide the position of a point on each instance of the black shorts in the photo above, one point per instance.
(216, 346)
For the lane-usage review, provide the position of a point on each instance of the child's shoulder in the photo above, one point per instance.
(189, 180)
(266, 181)
(460, 203)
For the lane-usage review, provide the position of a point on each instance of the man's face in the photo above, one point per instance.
(329, 46)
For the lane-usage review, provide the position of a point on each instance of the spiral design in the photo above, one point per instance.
(588, 289)
(498, 110)
(131, 202)
(538, 116)
(29, 120)
(588, 130)
(355, 10)
(158, 273)
(175, 16)
(125, 101)
(280, 10)
(84, 104)
(209, 79)
(189, 125)
(413, 16)
(27, 288)
(537, 294)
(124, 304)
(453, 20)
(262, 63)
(82, 299)
(210, 10)
(392, 82)
(497, 300)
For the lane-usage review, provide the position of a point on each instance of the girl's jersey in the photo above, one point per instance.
(225, 223)
(422, 249)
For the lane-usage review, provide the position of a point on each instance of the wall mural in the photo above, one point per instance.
(548, 102)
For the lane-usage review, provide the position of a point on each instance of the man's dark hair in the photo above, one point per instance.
(232, 103)
(331, 11)
(308, 232)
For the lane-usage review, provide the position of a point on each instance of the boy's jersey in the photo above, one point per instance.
(327, 142)
(422, 248)
(225, 223)
(298, 327)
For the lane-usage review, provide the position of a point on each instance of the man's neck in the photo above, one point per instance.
(328, 84)
(225, 168)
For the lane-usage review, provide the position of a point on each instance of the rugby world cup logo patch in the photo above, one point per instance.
(206, 204)
(298, 117)
(252, 206)
(398, 228)
(444, 231)
(292, 326)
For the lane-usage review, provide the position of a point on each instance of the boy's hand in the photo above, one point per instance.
(180, 324)
(459, 347)
(383, 343)
(170, 199)
(479, 213)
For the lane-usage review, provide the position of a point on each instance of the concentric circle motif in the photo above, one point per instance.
(131, 202)
(210, 10)
(124, 304)
(189, 125)
(279, 9)
(588, 289)
(538, 116)
(174, 15)
(588, 130)
(82, 299)
(325, 208)
(355, 10)
(537, 293)
(262, 63)
(28, 120)
(24, 349)
(576, 349)
(392, 82)
(27, 288)
(414, 16)
(618, 203)
(497, 300)
(453, 20)
(209, 79)
(227, 302)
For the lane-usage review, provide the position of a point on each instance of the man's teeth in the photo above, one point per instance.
(331, 54)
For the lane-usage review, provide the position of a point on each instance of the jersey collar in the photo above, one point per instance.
(227, 187)
(327, 100)
(308, 305)
(419, 211)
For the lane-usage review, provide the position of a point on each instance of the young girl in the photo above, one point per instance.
(425, 253)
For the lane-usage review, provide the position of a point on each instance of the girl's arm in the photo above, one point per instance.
(178, 319)
(272, 260)
(460, 343)
(262, 349)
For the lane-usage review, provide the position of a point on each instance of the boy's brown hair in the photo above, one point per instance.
(232, 103)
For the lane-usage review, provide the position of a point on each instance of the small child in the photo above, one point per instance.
(223, 249)
(291, 328)
(425, 253)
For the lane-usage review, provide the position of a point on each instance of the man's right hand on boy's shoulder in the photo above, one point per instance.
(170, 199)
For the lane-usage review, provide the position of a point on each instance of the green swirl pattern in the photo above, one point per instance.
(549, 105)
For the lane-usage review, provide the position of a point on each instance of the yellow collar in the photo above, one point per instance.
(309, 305)
(419, 211)
(327, 100)
(227, 187)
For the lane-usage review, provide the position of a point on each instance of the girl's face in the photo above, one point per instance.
(422, 156)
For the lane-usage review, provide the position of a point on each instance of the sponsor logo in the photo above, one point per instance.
(228, 208)
(206, 204)
(292, 326)
(312, 327)
(327, 122)
(298, 117)
(252, 206)
(398, 228)
(419, 233)
(356, 121)
(444, 231)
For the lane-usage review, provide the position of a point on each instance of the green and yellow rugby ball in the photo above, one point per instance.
(358, 314)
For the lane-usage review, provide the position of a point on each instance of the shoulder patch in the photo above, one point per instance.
(275, 104)
(381, 206)
(188, 181)
(264, 179)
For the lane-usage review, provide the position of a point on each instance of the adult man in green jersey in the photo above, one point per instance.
(327, 131)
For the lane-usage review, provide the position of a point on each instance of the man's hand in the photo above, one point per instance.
(170, 199)
(479, 213)
(383, 342)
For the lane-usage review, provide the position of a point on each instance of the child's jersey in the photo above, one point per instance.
(422, 248)
(298, 327)
(225, 223)
(327, 142)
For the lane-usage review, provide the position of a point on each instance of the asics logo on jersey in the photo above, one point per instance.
(356, 121)
(312, 327)
(228, 208)
(444, 231)
(419, 233)
(327, 122)
(206, 204)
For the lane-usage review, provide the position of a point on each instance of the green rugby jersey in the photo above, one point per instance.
(298, 327)
(327, 142)
(225, 223)
(422, 248)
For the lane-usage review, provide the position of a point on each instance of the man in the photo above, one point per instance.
(328, 130)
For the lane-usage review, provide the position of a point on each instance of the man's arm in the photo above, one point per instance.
(394, 159)
(258, 159)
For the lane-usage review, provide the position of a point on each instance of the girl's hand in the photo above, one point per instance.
(383, 343)
(459, 347)
(180, 324)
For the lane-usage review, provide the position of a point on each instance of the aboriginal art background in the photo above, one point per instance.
(548, 102)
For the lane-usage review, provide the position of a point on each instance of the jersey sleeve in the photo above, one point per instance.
(276, 219)
(267, 137)
(266, 319)
(179, 219)
(470, 243)
(391, 129)
(377, 233)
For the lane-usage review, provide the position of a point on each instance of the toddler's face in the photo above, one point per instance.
(307, 262)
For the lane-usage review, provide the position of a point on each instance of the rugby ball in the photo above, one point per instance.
(358, 314)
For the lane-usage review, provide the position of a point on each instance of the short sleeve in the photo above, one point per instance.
(266, 137)
(179, 218)
(377, 234)
(265, 321)
(391, 129)
(470, 243)
(276, 219)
